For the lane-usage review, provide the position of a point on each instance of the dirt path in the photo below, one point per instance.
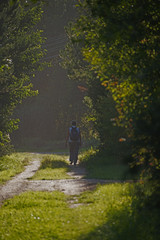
(19, 183)
(75, 186)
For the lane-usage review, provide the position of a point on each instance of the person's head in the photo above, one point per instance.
(73, 123)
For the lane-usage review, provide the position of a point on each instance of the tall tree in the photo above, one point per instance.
(121, 45)
(125, 56)
(21, 51)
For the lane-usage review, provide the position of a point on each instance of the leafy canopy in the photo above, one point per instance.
(121, 47)
(21, 51)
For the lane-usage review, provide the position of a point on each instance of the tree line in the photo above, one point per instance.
(21, 52)
(113, 56)
(38, 121)
(113, 49)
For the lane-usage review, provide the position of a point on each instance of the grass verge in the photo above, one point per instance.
(102, 165)
(109, 212)
(52, 167)
(13, 164)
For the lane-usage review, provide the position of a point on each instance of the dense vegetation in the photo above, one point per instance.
(118, 52)
(21, 51)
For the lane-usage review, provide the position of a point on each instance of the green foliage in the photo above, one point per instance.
(96, 120)
(121, 45)
(21, 51)
(110, 212)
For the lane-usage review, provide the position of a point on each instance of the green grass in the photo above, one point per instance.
(53, 167)
(109, 172)
(13, 164)
(108, 213)
(111, 212)
(102, 165)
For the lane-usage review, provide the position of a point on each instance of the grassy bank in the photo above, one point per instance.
(110, 212)
(103, 165)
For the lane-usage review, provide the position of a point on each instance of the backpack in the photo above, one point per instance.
(74, 134)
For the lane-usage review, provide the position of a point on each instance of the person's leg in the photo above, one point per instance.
(76, 149)
(71, 151)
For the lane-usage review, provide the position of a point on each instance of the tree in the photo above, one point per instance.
(100, 110)
(125, 57)
(21, 52)
(121, 44)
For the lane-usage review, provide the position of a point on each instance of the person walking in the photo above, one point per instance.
(74, 140)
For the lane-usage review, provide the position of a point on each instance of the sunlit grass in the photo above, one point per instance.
(53, 167)
(13, 164)
(108, 213)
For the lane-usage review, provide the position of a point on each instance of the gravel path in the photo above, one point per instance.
(75, 186)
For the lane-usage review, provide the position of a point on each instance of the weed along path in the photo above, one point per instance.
(22, 182)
